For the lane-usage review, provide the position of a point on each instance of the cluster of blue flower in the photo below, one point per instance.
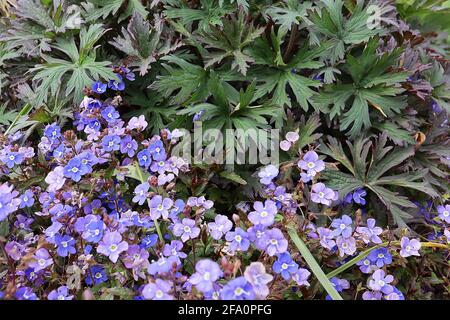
(81, 224)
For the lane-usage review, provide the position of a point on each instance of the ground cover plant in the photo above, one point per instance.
(98, 97)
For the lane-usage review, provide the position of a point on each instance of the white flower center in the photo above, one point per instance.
(311, 165)
(238, 291)
(264, 214)
(113, 247)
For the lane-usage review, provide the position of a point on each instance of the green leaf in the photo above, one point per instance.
(233, 176)
(189, 81)
(82, 69)
(292, 12)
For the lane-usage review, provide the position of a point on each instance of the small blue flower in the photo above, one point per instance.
(10, 159)
(157, 151)
(285, 266)
(94, 125)
(144, 158)
(128, 146)
(117, 84)
(96, 275)
(65, 245)
(358, 196)
(149, 241)
(111, 143)
(140, 193)
(99, 87)
(380, 257)
(27, 199)
(110, 114)
(52, 131)
(73, 169)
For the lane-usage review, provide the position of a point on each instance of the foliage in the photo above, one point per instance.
(363, 85)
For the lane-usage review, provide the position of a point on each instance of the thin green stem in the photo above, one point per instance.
(155, 221)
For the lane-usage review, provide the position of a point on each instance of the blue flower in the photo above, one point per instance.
(73, 169)
(58, 153)
(96, 275)
(111, 143)
(157, 151)
(27, 199)
(238, 240)
(99, 87)
(380, 257)
(285, 266)
(339, 285)
(25, 293)
(144, 158)
(149, 241)
(118, 84)
(110, 114)
(10, 159)
(87, 161)
(140, 193)
(65, 245)
(358, 196)
(52, 131)
(62, 293)
(128, 146)
(94, 104)
(238, 289)
(343, 226)
(95, 125)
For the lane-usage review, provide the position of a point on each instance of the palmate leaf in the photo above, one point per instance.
(368, 168)
(374, 92)
(307, 129)
(143, 43)
(188, 81)
(81, 70)
(434, 153)
(441, 88)
(209, 13)
(36, 24)
(229, 41)
(331, 23)
(291, 13)
(223, 113)
(96, 9)
(275, 77)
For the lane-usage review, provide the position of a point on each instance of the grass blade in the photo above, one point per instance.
(313, 265)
